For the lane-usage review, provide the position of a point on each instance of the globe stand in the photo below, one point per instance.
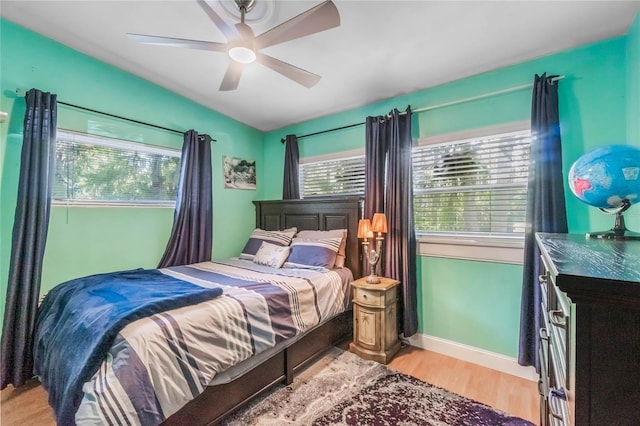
(619, 230)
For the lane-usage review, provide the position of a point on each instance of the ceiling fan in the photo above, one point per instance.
(243, 47)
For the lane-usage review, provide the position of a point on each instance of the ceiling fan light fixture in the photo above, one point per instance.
(242, 54)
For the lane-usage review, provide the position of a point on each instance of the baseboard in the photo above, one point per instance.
(474, 355)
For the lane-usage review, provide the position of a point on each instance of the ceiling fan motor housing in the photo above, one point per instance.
(247, 5)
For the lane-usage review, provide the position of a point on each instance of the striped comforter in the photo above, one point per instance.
(159, 363)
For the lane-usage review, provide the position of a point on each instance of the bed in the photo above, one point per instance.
(224, 367)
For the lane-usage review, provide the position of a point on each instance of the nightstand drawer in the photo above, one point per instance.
(372, 297)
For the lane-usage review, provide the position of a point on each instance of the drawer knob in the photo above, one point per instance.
(557, 318)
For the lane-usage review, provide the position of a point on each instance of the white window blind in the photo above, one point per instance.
(472, 186)
(98, 170)
(342, 176)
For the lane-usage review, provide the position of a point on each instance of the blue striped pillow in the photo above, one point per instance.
(259, 236)
(313, 253)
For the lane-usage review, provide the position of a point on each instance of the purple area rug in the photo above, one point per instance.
(343, 389)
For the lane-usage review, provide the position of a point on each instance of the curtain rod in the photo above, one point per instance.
(20, 92)
(442, 105)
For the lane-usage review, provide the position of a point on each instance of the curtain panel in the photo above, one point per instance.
(31, 223)
(375, 157)
(191, 234)
(546, 211)
(291, 182)
(389, 189)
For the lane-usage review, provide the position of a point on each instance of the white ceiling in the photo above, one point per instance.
(382, 49)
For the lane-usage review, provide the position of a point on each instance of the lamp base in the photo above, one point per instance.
(373, 279)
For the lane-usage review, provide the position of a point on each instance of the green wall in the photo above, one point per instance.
(633, 82)
(454, 304)
(87, 240)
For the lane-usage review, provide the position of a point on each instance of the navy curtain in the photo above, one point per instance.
(546, 210)
(401, 240)
(190, 240)
(375, 155)
(389, 189)
(291, 183)
(35, 186)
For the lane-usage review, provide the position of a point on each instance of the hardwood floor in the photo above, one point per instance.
(511, 394)
(28, 405)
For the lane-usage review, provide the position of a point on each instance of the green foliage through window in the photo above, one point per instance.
(476, 185)
(94, 169)
(343, 176)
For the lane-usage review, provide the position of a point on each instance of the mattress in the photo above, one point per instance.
(249, 364)
(158, 364)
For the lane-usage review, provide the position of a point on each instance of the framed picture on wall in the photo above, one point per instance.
(239, 173)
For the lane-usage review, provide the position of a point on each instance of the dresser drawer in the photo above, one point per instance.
(374, 298)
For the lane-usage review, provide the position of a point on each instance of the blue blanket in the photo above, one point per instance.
(78, 321)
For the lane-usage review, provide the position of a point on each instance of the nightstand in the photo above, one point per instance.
(375, 334)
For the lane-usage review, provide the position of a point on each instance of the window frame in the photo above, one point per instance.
(109, 142)
(498, 247)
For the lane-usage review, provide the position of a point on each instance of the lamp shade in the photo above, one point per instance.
(364, 229)
(379, 223)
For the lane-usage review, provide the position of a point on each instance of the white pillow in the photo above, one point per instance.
(271, 255)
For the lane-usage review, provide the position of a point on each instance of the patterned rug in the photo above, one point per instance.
(343, 389)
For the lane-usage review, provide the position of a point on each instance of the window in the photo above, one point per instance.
(469, 194)
(98, 170)
(331, 175)
(477, 185)
(471, 191)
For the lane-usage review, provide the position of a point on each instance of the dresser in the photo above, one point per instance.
(590, 330)
(375, 332)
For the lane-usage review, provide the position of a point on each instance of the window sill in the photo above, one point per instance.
(498, 249)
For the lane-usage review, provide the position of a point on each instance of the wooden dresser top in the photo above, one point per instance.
(594, 269)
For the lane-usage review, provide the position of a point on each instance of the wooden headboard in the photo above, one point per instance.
(323, 214)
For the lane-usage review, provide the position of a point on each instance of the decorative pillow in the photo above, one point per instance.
(271, 255)
(316, 235)
(258, 236)
(313, 253)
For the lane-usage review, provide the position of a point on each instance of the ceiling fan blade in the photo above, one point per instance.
(179, 42)
(229, 31)
(232, 76)
(306, 78)
(319, 18)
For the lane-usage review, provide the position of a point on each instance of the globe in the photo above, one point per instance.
(607, 176)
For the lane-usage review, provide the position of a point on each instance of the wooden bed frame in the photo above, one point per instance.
(217, 402)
